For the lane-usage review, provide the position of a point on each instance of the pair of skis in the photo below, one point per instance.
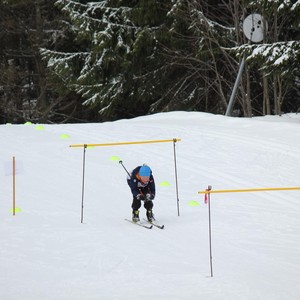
(148, 226)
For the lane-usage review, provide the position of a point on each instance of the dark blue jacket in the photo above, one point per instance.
(137, 187)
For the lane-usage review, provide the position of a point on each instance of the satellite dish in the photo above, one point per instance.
(253, 27)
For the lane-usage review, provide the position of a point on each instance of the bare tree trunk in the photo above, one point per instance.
(275, 82)
(275, 94)
(218, 78)
(42, 99)
(248, 94)
(278, 90)
(266, 97)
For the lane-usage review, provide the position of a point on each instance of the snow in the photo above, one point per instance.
(47, 253)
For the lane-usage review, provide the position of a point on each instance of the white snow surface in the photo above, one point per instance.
(47, 253)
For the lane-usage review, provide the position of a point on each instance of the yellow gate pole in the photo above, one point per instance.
(251, 190)
(84, 146)
(125, 143)
(209, 191)
(209, 232)
(14, 185)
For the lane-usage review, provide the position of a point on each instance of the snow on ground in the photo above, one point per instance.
(47, 253)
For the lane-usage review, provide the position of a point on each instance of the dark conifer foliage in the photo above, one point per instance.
(27, 91)
(83, 61)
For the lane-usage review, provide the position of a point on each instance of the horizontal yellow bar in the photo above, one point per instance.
(250, 190)
(125, 143)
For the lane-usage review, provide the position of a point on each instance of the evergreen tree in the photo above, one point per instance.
(119, 58)
(200, 68)
(26, 92)
(141, 57)
(130, 58)
(277, 57)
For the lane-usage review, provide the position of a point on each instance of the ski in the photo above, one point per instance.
(140, 224)
(155, 224)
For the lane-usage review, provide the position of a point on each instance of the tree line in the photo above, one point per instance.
(81, 61)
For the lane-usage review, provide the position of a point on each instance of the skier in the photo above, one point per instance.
(142, 185)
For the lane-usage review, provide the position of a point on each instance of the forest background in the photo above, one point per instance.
(80, 61)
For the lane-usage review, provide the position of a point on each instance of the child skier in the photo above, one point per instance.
(142, 185)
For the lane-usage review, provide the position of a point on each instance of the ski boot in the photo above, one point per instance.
(135, 216)
(150, 216)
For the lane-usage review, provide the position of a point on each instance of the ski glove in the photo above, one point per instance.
(149, 197)
(140, 197)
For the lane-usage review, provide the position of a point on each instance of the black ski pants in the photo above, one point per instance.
(136, 204)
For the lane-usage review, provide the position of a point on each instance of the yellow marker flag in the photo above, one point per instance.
(39, 127)
(64, 136)
(194, 203)
(164, 183)
(114, 158)
(17, 209)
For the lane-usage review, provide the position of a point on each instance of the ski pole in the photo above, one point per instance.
(210, 242)
(121, 162)
(83, 182)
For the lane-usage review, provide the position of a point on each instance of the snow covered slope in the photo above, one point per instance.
(46, 253)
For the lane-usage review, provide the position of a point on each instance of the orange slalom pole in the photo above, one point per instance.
(14, 186)
(174, 140)
(125, 143)
(250, 190)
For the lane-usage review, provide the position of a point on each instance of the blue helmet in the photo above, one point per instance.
(145, 171)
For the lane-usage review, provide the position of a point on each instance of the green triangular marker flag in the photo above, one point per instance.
(17, 209)
(64, 136)
(193, 203)
(165, 183)
(114, 158)
(39, 127)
